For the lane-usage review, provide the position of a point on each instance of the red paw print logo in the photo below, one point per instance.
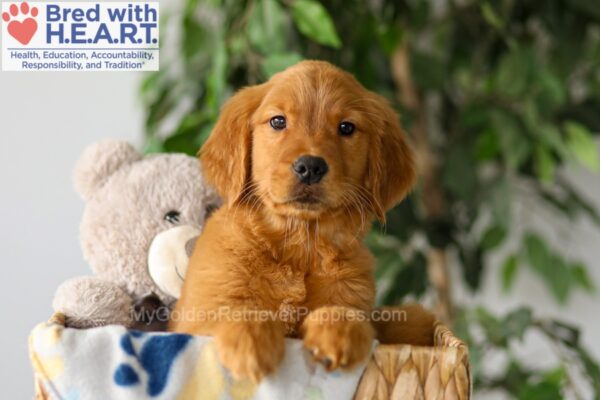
(24, 29)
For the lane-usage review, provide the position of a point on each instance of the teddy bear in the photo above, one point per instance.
(141, 218)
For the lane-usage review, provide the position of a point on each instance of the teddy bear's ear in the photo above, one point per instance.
(98, 162)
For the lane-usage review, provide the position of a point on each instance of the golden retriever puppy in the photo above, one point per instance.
(305, 162)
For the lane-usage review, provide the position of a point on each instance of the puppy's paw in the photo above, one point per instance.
(250, 349)
(337, 337)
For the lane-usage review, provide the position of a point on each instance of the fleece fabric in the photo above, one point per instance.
(112, 362)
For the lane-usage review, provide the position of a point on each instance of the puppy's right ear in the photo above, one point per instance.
(225, 156)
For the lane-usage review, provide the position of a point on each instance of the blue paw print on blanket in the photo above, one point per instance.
(156, 357)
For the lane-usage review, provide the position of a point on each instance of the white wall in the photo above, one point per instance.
(46, 120)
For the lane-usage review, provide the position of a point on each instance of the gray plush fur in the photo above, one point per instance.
(89, 301)
(127, 197)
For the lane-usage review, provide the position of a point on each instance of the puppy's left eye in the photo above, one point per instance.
(278, 122)
(172, 217)
(346, 128)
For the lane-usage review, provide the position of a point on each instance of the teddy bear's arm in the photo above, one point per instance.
(89, 301)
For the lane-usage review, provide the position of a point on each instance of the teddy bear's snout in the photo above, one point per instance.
(168, 258)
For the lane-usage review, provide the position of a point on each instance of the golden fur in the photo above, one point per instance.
(263, 250)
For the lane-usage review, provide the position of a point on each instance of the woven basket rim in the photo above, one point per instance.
(395, 346)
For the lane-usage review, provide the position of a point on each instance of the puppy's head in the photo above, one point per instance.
(310, 141)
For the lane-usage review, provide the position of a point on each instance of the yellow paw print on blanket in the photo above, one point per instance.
(208, 381)
(46, 337)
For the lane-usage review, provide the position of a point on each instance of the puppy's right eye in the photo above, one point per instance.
(346, 128)
(278, 122)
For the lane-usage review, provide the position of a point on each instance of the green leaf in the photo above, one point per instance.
(194, 37)
(550, 267)
(544, 163)
(313, 20)
(487, 146)
(556, 376)
(516, 147)
(184, 142)
(267, 27)
(216, 80)
(537, 252)
(389, 38)
(509, 272)
(402, 220)
(490, 16)
(581, 277)
(190, 6)
(204, 133)
(492, 327)
(531, 116)
(517, 322)
(278, 62)
(162, 104)
(153, 145)
(514, 73)
(551, 136)
(388, 259)
(238, 45)
(411, 279)
(581, 144)
(541, 391)
(551, 92)
(150, 82)
(592, 369)
(493, 237)
(569, 202)
(559, 277)
(186, 138)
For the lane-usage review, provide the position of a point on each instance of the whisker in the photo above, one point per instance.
(247, 192)
(369, 200)
(358, 207)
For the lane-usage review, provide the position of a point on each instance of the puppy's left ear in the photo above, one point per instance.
(225, 156)
(392, 170)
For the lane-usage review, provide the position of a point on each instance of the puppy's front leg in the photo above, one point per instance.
(249, 345)
(250, 348)
(338, 337)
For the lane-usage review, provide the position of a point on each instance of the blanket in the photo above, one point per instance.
(115, 363)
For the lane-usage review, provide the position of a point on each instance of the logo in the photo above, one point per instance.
(80, 36)
(24, 28)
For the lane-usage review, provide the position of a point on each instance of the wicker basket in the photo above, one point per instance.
(414, 372)
(395, 371)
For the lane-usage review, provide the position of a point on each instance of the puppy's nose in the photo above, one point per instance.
(310, 169)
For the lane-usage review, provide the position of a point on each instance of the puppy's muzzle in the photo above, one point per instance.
(310, 169)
